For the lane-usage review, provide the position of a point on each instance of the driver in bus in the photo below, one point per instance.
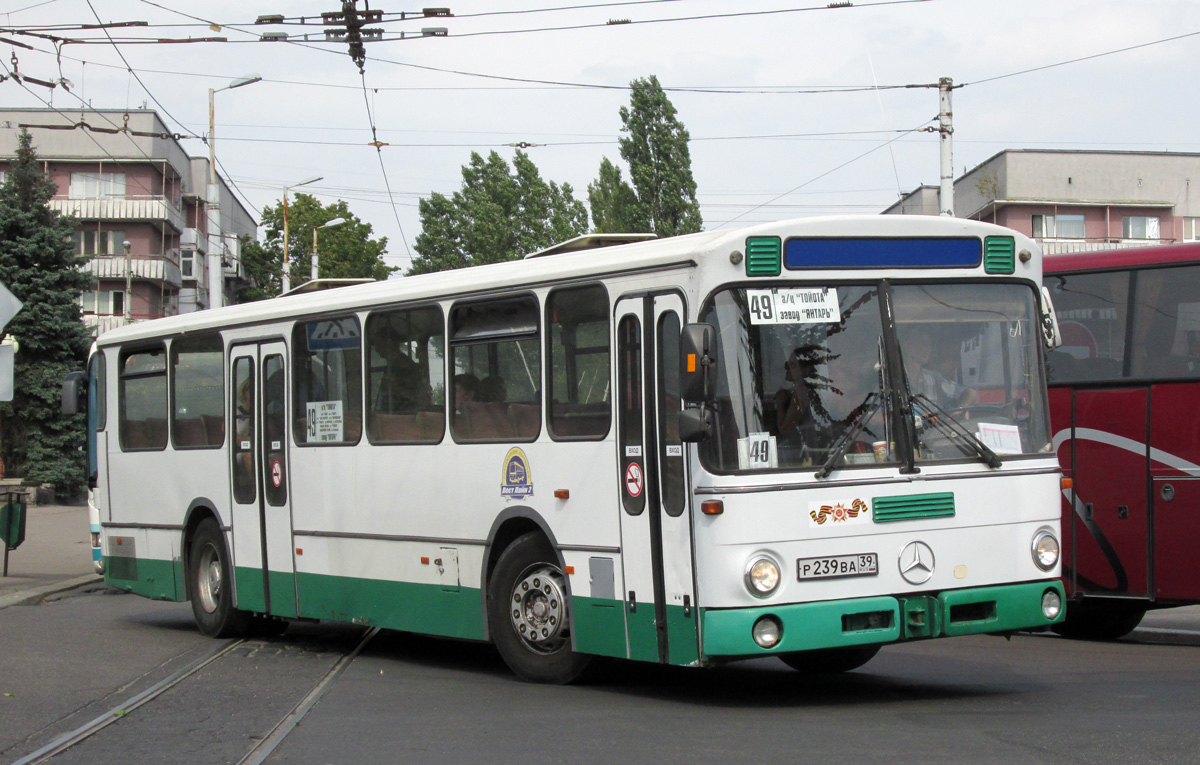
(936, 368)
(801, 418)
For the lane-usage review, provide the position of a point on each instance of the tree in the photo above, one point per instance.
(345, 250)
(615, 208)
(499, 214)
(38, 264)
(660, 167)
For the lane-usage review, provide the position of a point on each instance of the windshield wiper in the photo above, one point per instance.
(864, 415)
(953, 426)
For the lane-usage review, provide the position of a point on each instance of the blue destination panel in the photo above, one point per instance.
(883, 253)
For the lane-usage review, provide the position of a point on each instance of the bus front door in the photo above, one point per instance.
(265, 569)
(656, 531)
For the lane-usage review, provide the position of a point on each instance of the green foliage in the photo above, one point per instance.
(345, 250)
(660, 167)
(615, 208)
(38, 264)
(499, 214)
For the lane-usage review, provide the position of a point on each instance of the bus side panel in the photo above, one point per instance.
(1111, 485)
(145, 562)
(1175, 473)
(1061, 424)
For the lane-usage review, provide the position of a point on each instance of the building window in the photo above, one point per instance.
(1191, 230)
(187, 267)
(97, 185)
(103, 302)
(1140, 227)
(99, 242)
(1058, 227)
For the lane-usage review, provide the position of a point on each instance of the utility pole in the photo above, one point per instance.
(946, 131)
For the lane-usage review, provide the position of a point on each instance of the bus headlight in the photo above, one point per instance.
(767, 632)
(1045, 549)
(762, 575)
(1051, 605)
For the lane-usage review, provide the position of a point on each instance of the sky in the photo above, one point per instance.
(794, 110)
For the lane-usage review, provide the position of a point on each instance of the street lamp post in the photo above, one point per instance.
(330, 224)
(128, 279)
(216, 276)
(284, 280)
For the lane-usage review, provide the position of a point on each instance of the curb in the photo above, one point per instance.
(34, 595)
(1165, 636)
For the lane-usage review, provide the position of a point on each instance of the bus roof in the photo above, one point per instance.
(1122, 257)
(673, 252)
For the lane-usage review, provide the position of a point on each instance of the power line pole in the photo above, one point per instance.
(946, 131)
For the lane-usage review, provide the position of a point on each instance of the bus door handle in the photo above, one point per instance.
(1087, 511)
(1167, 492)
(1123, 512)
(632, 602)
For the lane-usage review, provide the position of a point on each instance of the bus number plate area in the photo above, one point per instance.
(827, 567)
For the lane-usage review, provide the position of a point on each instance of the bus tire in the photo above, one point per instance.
(830, 661)
(210, 581)
(527, 613)
(1100, 621)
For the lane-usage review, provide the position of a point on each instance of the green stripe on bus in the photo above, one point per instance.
(599, 627)
(682, 646)
(423, 608)
(806, 626)
(148, 577)
(1003, 608)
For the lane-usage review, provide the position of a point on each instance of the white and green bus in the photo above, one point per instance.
(806, 439)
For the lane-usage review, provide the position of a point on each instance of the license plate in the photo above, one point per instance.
(829, 566)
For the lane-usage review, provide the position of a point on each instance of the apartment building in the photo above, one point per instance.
(1072, 201)
(142, 210)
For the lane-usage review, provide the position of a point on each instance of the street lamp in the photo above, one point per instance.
(330, 224)
(284, 282)
(216, 277)
(128, 279)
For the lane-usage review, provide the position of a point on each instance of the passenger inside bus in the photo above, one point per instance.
(933, 368)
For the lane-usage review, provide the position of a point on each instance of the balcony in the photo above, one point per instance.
(1067, 246)
(156, 268)
(154, 209)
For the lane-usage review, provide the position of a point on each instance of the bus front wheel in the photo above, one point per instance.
(828, 661)
(527, 613)
(211, 582)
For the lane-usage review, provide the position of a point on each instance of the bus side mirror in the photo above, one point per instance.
(695, 425)
(1050, 332)
(697, 343)
(74, 390)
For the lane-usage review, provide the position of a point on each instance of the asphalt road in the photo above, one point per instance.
(411, 699)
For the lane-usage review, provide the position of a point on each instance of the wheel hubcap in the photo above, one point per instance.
(209, 579)
(538, 609)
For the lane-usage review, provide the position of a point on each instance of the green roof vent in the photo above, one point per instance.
(912, 507)
(999, 255)
(764, 256)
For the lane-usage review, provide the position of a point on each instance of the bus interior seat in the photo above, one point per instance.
(526, 419)
(432, 425)
(488, 420)
(214, 427)
(190, 432)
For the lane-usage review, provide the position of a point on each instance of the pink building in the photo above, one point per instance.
(1072, 201)
(141, 207)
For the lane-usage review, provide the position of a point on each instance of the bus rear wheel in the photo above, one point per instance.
(527, 613)
(830, 661)
(210, 580)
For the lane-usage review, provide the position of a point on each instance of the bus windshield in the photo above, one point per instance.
(802, 388)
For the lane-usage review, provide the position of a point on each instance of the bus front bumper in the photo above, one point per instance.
(886, 619)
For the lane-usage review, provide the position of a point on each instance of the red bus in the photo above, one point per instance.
(1125, 412)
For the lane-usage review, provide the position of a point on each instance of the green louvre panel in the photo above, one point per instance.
(999, 255)
(912, 507)
(764, 256)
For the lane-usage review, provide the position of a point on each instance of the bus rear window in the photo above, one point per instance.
(143, 400)
(197, 392)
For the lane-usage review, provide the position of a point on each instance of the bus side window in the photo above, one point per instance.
(497, 370)
(198, 392)
(1092, 315)
(243, 430)
(577, 349)
(98, 393)
(327, 358)
(406, 376)
(629, 407)
(1166, 323)
(143, 400)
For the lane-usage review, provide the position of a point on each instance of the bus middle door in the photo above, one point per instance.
(656, 533)
(263, 550)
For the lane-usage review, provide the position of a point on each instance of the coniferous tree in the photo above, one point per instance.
(38, 264)
(499, 214)
(660, 168)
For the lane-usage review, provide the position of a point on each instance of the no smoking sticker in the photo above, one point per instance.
(276, 473)
(633, 479)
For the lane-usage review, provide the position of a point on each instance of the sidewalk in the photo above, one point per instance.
(55, 556)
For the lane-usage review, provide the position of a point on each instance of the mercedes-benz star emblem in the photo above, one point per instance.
(916, 562)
